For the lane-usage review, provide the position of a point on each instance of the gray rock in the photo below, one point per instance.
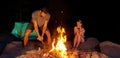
(89, 44)
(111, 49)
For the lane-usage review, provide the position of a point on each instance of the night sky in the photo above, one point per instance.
(100, 18)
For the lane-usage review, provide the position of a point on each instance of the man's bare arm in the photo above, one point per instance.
(36, 28)
(44, 28)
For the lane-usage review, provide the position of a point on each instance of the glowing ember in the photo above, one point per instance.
(58, 46)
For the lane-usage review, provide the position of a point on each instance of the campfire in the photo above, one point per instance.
(58, 45)
(59, 49)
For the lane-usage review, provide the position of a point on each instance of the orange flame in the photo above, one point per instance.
(60, 48)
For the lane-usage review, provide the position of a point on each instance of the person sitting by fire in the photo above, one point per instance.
(78, 34)
(39, 22)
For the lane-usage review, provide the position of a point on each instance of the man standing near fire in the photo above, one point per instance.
(39, 22)
(78, 34)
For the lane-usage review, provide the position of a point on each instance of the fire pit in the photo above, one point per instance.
(59, 50)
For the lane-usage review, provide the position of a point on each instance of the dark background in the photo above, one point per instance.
(100, 18)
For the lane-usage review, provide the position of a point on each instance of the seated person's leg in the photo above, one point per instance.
(48, 37)
(27, 33)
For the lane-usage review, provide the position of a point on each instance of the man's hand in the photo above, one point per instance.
(40, 38)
